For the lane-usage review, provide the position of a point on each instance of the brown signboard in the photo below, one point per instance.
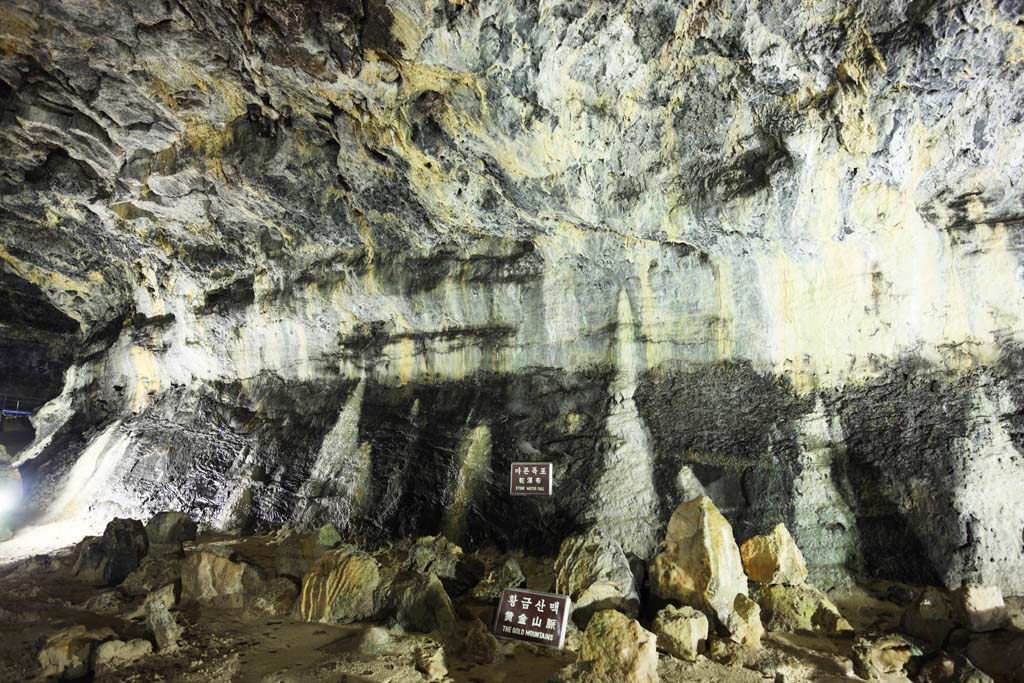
(532, 479)
(539, 618)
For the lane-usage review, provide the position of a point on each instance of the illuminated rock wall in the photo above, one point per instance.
(345, 263)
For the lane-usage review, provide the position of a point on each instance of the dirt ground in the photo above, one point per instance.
(40, 596)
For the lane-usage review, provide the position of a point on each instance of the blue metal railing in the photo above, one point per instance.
(23, 407)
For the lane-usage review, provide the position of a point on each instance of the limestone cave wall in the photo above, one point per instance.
(281, 262)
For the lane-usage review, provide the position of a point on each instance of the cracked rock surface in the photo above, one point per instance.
(280, 262)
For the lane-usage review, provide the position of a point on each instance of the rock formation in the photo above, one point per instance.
(593, 571)
(290, 262)
(774, 558)
(682, 632)
(699, 564)
(615, 647)
(340, 588)
(800, 608)
(402, 613)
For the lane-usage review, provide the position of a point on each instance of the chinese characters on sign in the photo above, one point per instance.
(538, 618)
(531, 479)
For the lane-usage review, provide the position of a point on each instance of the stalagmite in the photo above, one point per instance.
(394, 340)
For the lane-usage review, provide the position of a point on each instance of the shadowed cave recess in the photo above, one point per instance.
(278, 264)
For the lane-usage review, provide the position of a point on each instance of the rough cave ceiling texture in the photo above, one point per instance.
(344, 261)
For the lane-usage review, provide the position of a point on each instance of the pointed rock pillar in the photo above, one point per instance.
(625, 502)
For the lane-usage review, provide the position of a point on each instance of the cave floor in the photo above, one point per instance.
(40, 596)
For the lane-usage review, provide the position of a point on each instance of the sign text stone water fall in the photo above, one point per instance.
(531, 479)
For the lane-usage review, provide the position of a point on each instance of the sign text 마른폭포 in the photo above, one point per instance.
(531, 479)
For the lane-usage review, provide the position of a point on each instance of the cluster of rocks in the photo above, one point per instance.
(137, 560)
(703, 586)
(310, 577)
(708, 595)
(702, 595)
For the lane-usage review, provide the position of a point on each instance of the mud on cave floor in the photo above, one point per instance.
(41, 595)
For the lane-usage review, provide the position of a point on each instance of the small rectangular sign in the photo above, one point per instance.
(539, 618)
(532, 479)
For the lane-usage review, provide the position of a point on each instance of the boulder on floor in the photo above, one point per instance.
(109, 559)
(437, 555)
(274, 598)
(699, 563)
(774, 558)
(593, 571)
(89, 560)
(68, 654)
(169, 531)
(328, 537)
(617, 648)
(875, 657)
(161, 623)
(946, 668)
(215, 575)
(729, 653)
(340, 588)
(375, 641)
(479, 645)
(744, 622)
(124, 544)
(430, 661)
(153, 573)
(681, 631)
(295, 553)
(508, 575)
(999, 654)
(799, 608)
(980, 608)
(169, 596)
(115, 654)
(929, 618)
(107, 602)
(418, 602)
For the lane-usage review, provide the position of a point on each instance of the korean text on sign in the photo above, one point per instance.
(538, 618)
(531, 479)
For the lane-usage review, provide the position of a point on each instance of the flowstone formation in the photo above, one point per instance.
(292, 263)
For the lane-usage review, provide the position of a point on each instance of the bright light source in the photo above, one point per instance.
(10, 492)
